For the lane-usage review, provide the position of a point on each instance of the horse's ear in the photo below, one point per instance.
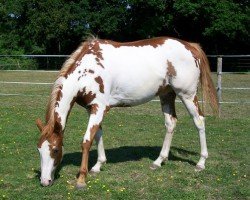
(39, 124)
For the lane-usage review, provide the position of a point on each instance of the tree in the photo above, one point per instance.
(58, 26)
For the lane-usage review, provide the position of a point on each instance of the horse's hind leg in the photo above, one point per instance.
(192, 106)
(101, 153)
(168, 108)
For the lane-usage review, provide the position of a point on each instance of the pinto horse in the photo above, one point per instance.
(102, 74)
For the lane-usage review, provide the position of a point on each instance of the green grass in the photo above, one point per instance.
(132, 139)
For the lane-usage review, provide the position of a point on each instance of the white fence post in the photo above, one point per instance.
(219, 74)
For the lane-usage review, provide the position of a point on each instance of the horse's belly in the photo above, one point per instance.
(134, 89)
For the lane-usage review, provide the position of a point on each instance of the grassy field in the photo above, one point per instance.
(133, 139)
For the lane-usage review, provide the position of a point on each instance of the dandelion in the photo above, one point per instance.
(103, 186)
(245, 176)
(108, 190)
(68, 193)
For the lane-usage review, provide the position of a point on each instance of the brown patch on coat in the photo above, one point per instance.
(91, 71)
(100, 82)
(56, 148)
(94, 109)
(58, 125)
(196, 103)
(94, 49)
(83, 98)
(170, 70)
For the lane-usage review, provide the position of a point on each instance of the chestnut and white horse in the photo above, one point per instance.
(102, 74)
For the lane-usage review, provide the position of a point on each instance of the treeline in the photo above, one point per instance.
(58, 26)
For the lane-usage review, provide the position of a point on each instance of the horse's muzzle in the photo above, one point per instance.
(45, 182)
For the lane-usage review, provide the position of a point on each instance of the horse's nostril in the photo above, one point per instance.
(49, 181)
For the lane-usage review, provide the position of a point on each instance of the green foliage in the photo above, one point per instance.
(11, 48)
(58, 26)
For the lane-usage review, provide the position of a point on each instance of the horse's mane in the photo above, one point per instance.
(66, 67)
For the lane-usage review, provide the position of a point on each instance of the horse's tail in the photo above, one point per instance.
(209, 93)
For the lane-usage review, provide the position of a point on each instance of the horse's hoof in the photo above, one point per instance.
(154, 166)
(80, 186)
(199, 168)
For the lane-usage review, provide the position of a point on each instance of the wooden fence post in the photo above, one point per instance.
(219, 73)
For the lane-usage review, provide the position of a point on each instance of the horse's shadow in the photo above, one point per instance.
(124, 154)
(128, 153)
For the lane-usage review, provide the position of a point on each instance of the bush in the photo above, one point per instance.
(17, 63)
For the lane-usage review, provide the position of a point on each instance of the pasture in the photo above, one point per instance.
(132, 138)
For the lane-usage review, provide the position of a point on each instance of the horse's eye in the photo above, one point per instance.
(55, 150)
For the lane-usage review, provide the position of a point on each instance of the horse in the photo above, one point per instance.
(102, 74)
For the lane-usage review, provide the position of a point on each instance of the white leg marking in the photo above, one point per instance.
(199, 122)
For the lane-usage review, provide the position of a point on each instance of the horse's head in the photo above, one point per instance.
(50, 146)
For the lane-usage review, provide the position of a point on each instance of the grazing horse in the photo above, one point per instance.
(102, 74)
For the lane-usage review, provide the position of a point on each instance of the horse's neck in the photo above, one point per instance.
(65, 101)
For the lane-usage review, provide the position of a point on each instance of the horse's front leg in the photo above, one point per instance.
(95, 119)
